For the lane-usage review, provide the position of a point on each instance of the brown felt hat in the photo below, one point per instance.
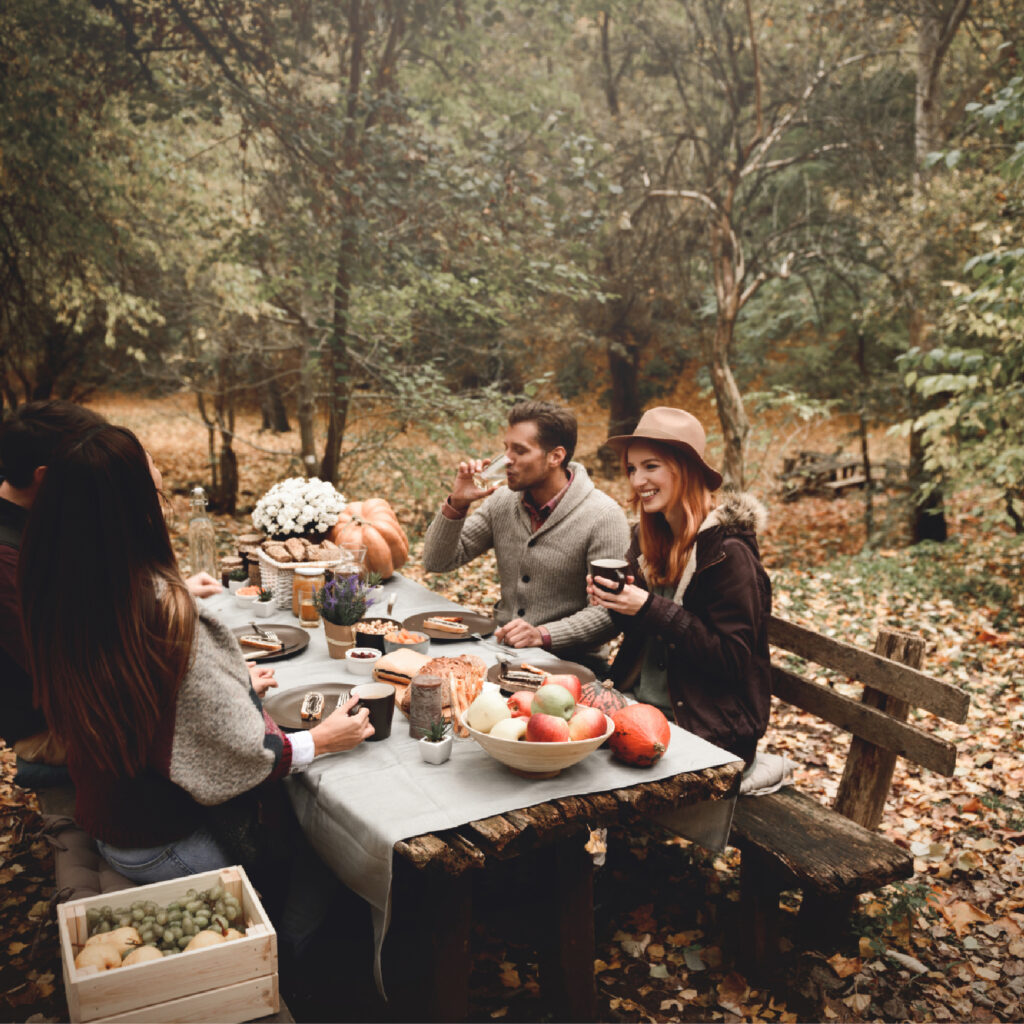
(676, 428)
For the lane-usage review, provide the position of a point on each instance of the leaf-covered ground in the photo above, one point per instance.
(947, 946)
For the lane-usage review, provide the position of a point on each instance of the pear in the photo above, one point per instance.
(141, 955)
(122, 939)
(101, 955)
(204, 939)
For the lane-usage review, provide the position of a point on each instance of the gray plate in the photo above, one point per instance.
(294, 638)
(482, 624)
(554, 667)
(284, 707)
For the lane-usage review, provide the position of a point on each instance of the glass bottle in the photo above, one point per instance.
(202, 542)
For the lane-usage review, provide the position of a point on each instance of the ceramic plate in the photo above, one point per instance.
(554, 667)
(482, 624)
(294, 638)
(283, 707)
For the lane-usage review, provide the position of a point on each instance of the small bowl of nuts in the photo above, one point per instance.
(360, 660)
(370, 632)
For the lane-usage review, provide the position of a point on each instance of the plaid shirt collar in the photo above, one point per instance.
(539, 516)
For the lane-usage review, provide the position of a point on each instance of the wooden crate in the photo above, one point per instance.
(233, 982)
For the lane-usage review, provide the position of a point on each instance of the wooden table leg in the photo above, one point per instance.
(427, 960)
(566, 942)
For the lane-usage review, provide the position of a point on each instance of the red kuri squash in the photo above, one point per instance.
(641, 734)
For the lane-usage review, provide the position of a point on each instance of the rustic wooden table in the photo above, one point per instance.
(347, 803)
(427, 954)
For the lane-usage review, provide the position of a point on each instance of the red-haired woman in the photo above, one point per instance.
(695, 609)
(166, 738)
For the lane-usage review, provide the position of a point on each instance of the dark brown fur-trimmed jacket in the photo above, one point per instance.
(715, 629)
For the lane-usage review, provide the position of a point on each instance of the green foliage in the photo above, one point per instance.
(974, 430)
(69, 252)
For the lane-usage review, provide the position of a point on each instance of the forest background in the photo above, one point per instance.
(341, 238)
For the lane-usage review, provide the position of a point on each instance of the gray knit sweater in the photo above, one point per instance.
(543, 574)
(213, 746)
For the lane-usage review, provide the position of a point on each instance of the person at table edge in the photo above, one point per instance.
(28, 440)
(545, 528)
(696, 605)
(168, 746)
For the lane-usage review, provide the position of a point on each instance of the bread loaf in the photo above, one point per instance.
(277, 551)
(296, 548)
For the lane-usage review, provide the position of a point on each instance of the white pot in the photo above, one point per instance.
(436, 753)
(233, 585)
(264, 609)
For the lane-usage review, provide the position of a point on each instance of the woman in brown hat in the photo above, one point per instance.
(695, 607)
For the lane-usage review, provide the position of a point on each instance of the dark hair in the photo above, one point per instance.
(108, 667)
(556, 425)
(33, 434)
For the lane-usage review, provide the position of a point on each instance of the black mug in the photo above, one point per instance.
(379, 699)
(610, 569)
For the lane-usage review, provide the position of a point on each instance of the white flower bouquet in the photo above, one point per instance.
(298, 507)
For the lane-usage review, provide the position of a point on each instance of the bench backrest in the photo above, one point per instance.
(892, 685)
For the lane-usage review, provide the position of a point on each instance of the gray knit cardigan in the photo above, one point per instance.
(543, 574)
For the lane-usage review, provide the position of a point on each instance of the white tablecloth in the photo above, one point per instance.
(356, 805)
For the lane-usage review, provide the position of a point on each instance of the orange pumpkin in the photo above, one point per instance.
(373, 524)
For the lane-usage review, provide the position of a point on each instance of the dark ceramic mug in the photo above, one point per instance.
(379, 700)
(613, 569)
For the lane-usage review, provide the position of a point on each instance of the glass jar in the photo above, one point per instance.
(305, 583)
(228, 566)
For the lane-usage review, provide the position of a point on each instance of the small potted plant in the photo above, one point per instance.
(341, 602)
(264, 606)
(374, 584)
(436, 743)
(237, 578)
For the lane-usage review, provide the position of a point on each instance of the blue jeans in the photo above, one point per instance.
(36, 775)
(195, 853)
(309, 886)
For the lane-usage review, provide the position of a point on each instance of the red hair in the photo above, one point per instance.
(665, 552)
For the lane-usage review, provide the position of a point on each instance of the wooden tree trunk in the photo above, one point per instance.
(731, 413)
(227, 495)
(936, 27)
(337, 367)
(625, 407)
(305, 409)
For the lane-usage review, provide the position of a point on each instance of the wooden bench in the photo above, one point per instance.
(788, 840)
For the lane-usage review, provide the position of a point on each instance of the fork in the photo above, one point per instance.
(487, 640)
(264, 633)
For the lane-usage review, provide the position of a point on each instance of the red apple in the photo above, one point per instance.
(571, 683)
(547, 729)
(552, 699)
(587, 724)
(519, 703)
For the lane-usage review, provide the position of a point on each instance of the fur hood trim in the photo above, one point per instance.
(736, 513)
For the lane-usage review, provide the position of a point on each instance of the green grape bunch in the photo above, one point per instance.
(170, 928)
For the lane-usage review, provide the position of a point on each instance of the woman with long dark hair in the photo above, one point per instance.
(166, 738)
(695, 608)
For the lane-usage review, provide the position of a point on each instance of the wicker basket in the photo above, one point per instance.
(278, 577)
